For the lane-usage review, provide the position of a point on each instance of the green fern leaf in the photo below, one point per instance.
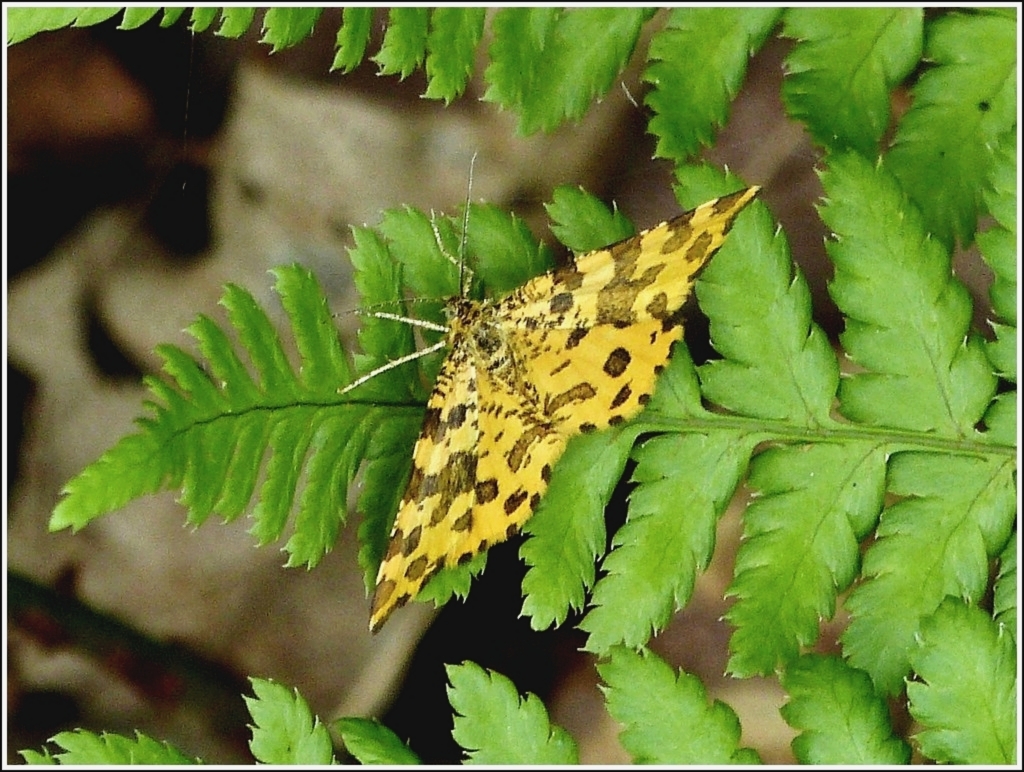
(842, 720)
(777, 363)
(83, 748)
(209, 435)
(800, 547)
(372, 743)
(453, 582)
(669, 536)
(841, 72)
(38, 758)
(697, 64)
(23, 23)
(956, 513)
(201, 19)
(999, 248)
(567, 533)
(497, 726)
(666, 715)
(86, 17)
(519, 38)
(136, 16)
(966, 697)
(571, 57)
(385, 475)
(352, 38)
(962, 107)
(583, 223)
(378, 279)
(451, 45)
(405, 42)
(502, 250)
(284, 27)
(907, 316)
(235, 21)
(286, 731)
(1004, 604)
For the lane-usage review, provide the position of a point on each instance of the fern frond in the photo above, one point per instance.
(497, 726)
(907, 317)
(549, 65)
(841, 718)
(210, 432)
(819, 494)
(697, 63)
(962, 108)
(372, 743)
(83, 748)
(998, 247)
(285, 730)
(966, 696)
(583, 222)
(842, 70)
(666, 715)
(957, 512)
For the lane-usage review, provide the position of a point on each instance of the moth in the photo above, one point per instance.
(574, 350)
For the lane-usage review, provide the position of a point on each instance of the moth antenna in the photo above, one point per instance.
(405, 319)
(440, 243)
(465, 229)
(392, 365)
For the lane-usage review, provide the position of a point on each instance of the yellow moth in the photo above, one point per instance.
(573, 350)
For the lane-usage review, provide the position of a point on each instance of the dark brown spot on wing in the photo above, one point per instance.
(658, 307)
(624, 393)
(517, 455)
(576, 336)
(381, 596)
(578, 393)
(456, 417)
(561, 303)
(412, 541)
(569, 277)
(561, 367)
(514, 501)
(416, 568)
(617, 362)
(457, 477)
(431, 423)
(680, 232)
(486, 491)
(463, 523)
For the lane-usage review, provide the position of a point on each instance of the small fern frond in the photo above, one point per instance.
(697, 63)
(285, 730)
(841, 717)
(666, 715)
(965, 697)
(223, 424)
(962, 107)
(495, 725)
(844, 67)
